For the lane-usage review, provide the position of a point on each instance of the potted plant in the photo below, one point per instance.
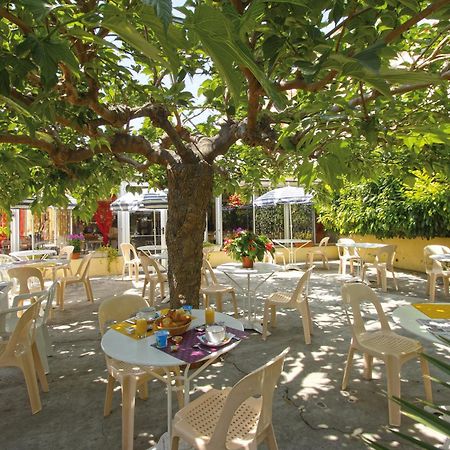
(247, 246)
(75, 240)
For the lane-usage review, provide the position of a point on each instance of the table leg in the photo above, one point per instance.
(128, 402)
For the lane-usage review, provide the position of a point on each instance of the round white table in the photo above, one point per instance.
(40, 263)
(234, 272)
(141, 352)
(32, 253)
(151, 249)
(407, 317)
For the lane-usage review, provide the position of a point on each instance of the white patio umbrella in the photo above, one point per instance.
(154, 200)
(127, 202)
(287, 196)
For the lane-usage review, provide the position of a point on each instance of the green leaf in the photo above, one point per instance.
(163, 9)
(370, 56)
(40, 9)
(417, 442)
(170, 38)
(223, 45)
(401, 76)
(116, 20)
(426, 418)
(16, 106)
(4, 82)
(439, 363)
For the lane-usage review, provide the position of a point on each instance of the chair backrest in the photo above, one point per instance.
(118, 308)
(49, 299)
(386, 254)
(208, 275)
(23, 334)
(128, 252)
(353, 296)
(148, 261)
(324, 241)
(66, 252)
(301, 291)
(431, 264)
(259, 383)
(346, 251)
(83, 268)
(6, 259)
(23, 276)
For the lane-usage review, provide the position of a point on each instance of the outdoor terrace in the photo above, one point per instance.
(310, 410)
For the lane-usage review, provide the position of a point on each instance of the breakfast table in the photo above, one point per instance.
(262, 272)
(425, 320)
(143, 353)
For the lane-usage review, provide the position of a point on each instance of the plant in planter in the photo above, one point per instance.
(247, 246)
(76, 240)
(111, 254)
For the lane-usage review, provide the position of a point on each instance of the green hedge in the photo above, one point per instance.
(388, 207)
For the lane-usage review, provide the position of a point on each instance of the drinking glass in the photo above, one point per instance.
(141, 328)
(209, 315)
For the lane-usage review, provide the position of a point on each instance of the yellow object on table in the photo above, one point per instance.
(128, 329)
(434, 311)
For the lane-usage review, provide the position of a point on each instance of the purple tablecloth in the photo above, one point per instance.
(191, 355)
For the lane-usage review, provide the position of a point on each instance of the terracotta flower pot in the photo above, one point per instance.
(247, 262)
(75, 255)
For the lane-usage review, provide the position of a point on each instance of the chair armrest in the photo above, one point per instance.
(28, 296)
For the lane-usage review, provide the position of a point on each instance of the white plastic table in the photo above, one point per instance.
(32, 253)
(141, 352)
(235, 271)
(151, 249)
(407, 317)
(40, 263)
(288, 244)
(361, 246)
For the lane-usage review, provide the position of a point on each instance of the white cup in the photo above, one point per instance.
(215, 334)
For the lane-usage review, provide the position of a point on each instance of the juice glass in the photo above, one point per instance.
(209, 315)
(141, 328)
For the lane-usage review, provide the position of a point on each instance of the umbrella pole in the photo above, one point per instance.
(291, 233)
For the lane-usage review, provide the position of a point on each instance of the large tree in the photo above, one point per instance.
(315, 88)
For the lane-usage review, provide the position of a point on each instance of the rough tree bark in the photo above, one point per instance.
(190, 191)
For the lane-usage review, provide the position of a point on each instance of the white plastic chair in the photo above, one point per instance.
(211, 287)
(65, 254)
(153, 276)
(81, 276)
(130, 260)
(297, 300)
(5, 259)
(20, 351)
(347, 255)
(319, 251)
(383, 262)
(435, 270)
(233, 418)
(392, 348)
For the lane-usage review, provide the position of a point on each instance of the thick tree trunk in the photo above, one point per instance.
(190, 191)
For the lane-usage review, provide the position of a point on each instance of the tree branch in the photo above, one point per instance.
(19, 139)
(14, 19)
(394, 34)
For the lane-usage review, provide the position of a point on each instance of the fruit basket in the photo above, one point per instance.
(176, 322)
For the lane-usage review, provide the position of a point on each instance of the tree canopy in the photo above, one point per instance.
(317, 89)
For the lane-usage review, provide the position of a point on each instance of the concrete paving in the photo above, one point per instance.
(310, 411)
